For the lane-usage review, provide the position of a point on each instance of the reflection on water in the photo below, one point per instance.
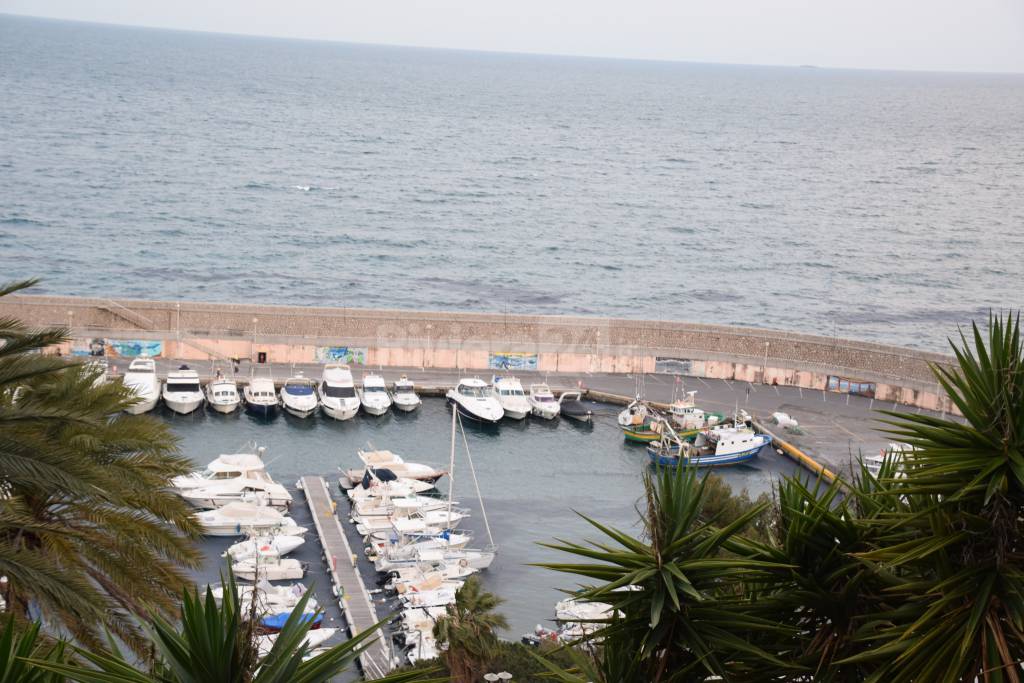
(533, 475)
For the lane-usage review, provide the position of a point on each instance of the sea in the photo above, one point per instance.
(885, 206)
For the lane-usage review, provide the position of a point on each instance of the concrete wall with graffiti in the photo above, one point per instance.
(512, 361)
(124, 348)
(351, 355)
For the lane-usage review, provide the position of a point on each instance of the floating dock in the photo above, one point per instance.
(353, 598)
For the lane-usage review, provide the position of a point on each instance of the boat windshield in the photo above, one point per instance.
(182, 387)
(141, 371)
(544, 398)
(478, 392)
(338, 392)
(374, 390)
(299, 389)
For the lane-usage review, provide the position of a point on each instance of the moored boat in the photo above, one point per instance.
(222, 468)
(374, 396)
(542, 402)
(509, 392)
(298, 396)
(182, 391)
(260, 397)
(640, 422)
(473, 398)
(719, 447)
(236, 519)
(222, 395)
(572, 406)
(404, 395)
(142, 380)
(392, 461)
(337, 392)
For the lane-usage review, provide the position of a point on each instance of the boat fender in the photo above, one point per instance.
(463, 563)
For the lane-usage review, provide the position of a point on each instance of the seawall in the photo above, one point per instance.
(482, 342)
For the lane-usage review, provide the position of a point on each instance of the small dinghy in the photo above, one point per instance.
(571, 406)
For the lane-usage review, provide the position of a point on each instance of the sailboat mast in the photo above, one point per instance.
(476, 483)
(451, 464)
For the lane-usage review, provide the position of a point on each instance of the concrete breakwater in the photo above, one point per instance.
(483, 342)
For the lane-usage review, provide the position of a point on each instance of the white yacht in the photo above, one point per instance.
(473, 399)
(222, 395)
(268, 568)
(338, 392)
(261, 490)
(393, 462)
(182, 391)
(298, 396)
(510, 394)
(374, 396)
(405, 396)
(223, 468)
(542, 402)
(259, 546)
(141, 379)
(260, 397)
(236, 519)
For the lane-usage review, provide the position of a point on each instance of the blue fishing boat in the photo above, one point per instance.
(717, 447)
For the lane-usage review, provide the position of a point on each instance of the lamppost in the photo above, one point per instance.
(252, 348)
(71, 316)
(429, 328)
(764, 367)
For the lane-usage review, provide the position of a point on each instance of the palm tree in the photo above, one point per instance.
(680, 597)
(89, 536)
(960, 549)
(467, 630)
(216, 643)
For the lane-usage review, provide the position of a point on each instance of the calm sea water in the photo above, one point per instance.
(533, 476)
(147, 163)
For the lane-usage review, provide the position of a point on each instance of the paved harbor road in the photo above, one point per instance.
(836, 427)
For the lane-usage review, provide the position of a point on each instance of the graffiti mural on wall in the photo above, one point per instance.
(131, 348)
(341, 354)
(849, 386)
(673, 366)
(512, 361)
(89, 347)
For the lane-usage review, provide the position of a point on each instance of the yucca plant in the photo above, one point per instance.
(89, 536)
(959, 549)
(679, 594)
(215, 642)
(19, 644)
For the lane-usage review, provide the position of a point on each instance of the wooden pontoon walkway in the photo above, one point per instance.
(354, 599)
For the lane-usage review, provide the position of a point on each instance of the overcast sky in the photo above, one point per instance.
(956, 35)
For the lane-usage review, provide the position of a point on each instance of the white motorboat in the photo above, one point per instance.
(400, 488)
(260, 489)
(571, 405)
(337, 392)
(268, 567)
(443, 595)
(416, 578)
(269, 599)
(687, 416)
(385, 543)
(223, 468)
(182, 391)
(222, 395)
(260, 546)
(473, 398)
(405, 396)
(477, 559)
(395, 463)
(298, 396)
(141, 379)
(410, 519)
(417, 632)
(894, 453)
(236, 519)
(260, 397)
(384, 507)
(374, 396)
(579, 618)
(542, 402)
(510, 394)
(99, 367)
(314, 639)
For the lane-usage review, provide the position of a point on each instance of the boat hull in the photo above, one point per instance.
(470, 415)
(261, 409)
(640, 435)
(710, 460)
(514, 414)
(407, 407)
(183, 407)
(376, 411)
(298, 411)
(142, 407)
(224, 408)
(340, 413)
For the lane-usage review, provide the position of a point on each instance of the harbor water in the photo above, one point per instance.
(534, 476)
(172, 165)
